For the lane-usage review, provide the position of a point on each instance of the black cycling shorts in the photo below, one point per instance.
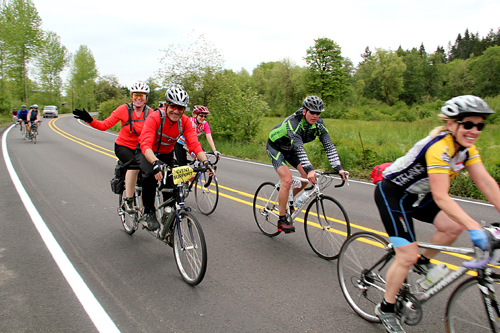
(278, 158)
(397, 209)
(125, 154)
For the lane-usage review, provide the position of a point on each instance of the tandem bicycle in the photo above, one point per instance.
(178, 227)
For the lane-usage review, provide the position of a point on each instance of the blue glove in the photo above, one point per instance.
(479, 238)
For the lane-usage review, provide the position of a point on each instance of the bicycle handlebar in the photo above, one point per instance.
(318, 173)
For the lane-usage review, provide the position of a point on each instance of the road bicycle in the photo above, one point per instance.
(33, 133)
(326, 223)
(178, 227)
(206, 186)
(472, 307)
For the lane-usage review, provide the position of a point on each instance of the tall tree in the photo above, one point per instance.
(82, 79)
(50, 63)
(485, 70)
(23, 37)
(194, 66)
(389, 69)
(327, 75)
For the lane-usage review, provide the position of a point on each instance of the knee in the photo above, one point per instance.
(407, 259)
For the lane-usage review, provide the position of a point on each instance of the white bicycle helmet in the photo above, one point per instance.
(465, 106)
(35, 106)
(177, 96)
(314, 104)
(139, 87)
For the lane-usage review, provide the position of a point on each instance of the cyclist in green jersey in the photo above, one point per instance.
(286, 144)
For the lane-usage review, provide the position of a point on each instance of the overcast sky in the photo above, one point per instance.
(126, 37)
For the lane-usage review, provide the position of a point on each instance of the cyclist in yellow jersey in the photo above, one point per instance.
(417, 186)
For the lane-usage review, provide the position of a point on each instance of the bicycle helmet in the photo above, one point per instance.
(23, 106)
(465, 106)
(177, 96)
(313, 103)
(139, 87)
(35, 106)
(197, 109)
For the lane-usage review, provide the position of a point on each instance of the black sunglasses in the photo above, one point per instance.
(468, 125)
(314, 113)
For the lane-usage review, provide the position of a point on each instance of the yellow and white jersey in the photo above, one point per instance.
(429, 155)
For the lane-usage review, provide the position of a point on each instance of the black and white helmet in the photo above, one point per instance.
(465, 106)
(139, 87)
(313, 103)
(177, 96)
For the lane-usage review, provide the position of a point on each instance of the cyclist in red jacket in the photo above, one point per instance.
(132, 116)
(161, 131)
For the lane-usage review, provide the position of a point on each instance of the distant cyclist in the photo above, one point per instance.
(417, 186)
(286, 144)
(14, 115)
(131, 116)
(33, 117)
(200, 125)
(22, 116)
(160, 133)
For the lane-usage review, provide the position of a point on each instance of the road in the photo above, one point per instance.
(83, 273)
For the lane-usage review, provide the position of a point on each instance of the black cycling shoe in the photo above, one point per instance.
(128, 205)
(285, 226)
(152, 221)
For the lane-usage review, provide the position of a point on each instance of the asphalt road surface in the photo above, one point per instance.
(66, 265)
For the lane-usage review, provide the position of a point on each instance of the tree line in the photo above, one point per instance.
(387, 84)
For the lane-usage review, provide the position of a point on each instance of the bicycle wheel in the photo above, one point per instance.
(326, 226)
(190, 249)
(466, 311)
(361, 268)
(33, 136)
(206, 197)
(129, 221)
(265, 209)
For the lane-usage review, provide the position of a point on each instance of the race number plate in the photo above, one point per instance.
(182, 174)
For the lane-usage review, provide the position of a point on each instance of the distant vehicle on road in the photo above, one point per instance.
(50, 111)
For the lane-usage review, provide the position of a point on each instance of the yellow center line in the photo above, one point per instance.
(105, 151)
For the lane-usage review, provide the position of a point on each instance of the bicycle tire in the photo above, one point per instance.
(466, 311)
(190, 249)
(266, 216)
(206, 197)
(359, 269)
(129, 221)
(327, 226)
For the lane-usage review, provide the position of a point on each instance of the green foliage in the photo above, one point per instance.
(389, 69)
(51, 61)
(327, 76)
(486, 72)
(82, 79)
(105, 108)
(237, 113)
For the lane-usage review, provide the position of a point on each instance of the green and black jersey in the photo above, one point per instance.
(290, 135)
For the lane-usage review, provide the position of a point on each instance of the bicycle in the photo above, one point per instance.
(178, 227)
(33, 133)
(363, 263)
(326, 223)
(206, 186)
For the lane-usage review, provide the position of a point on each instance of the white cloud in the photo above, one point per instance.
(126, 36)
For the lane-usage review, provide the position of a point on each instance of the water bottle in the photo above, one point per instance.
(300, 200)
(432, 277)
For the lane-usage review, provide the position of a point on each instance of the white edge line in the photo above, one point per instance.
(97, 314)
(351, 180)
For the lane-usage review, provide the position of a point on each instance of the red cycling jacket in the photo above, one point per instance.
(125, 137)
(149, 138)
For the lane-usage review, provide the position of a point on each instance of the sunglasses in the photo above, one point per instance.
(177, 107)
(202, 115)
(468, 125)
(314, 113)
(139, 95)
